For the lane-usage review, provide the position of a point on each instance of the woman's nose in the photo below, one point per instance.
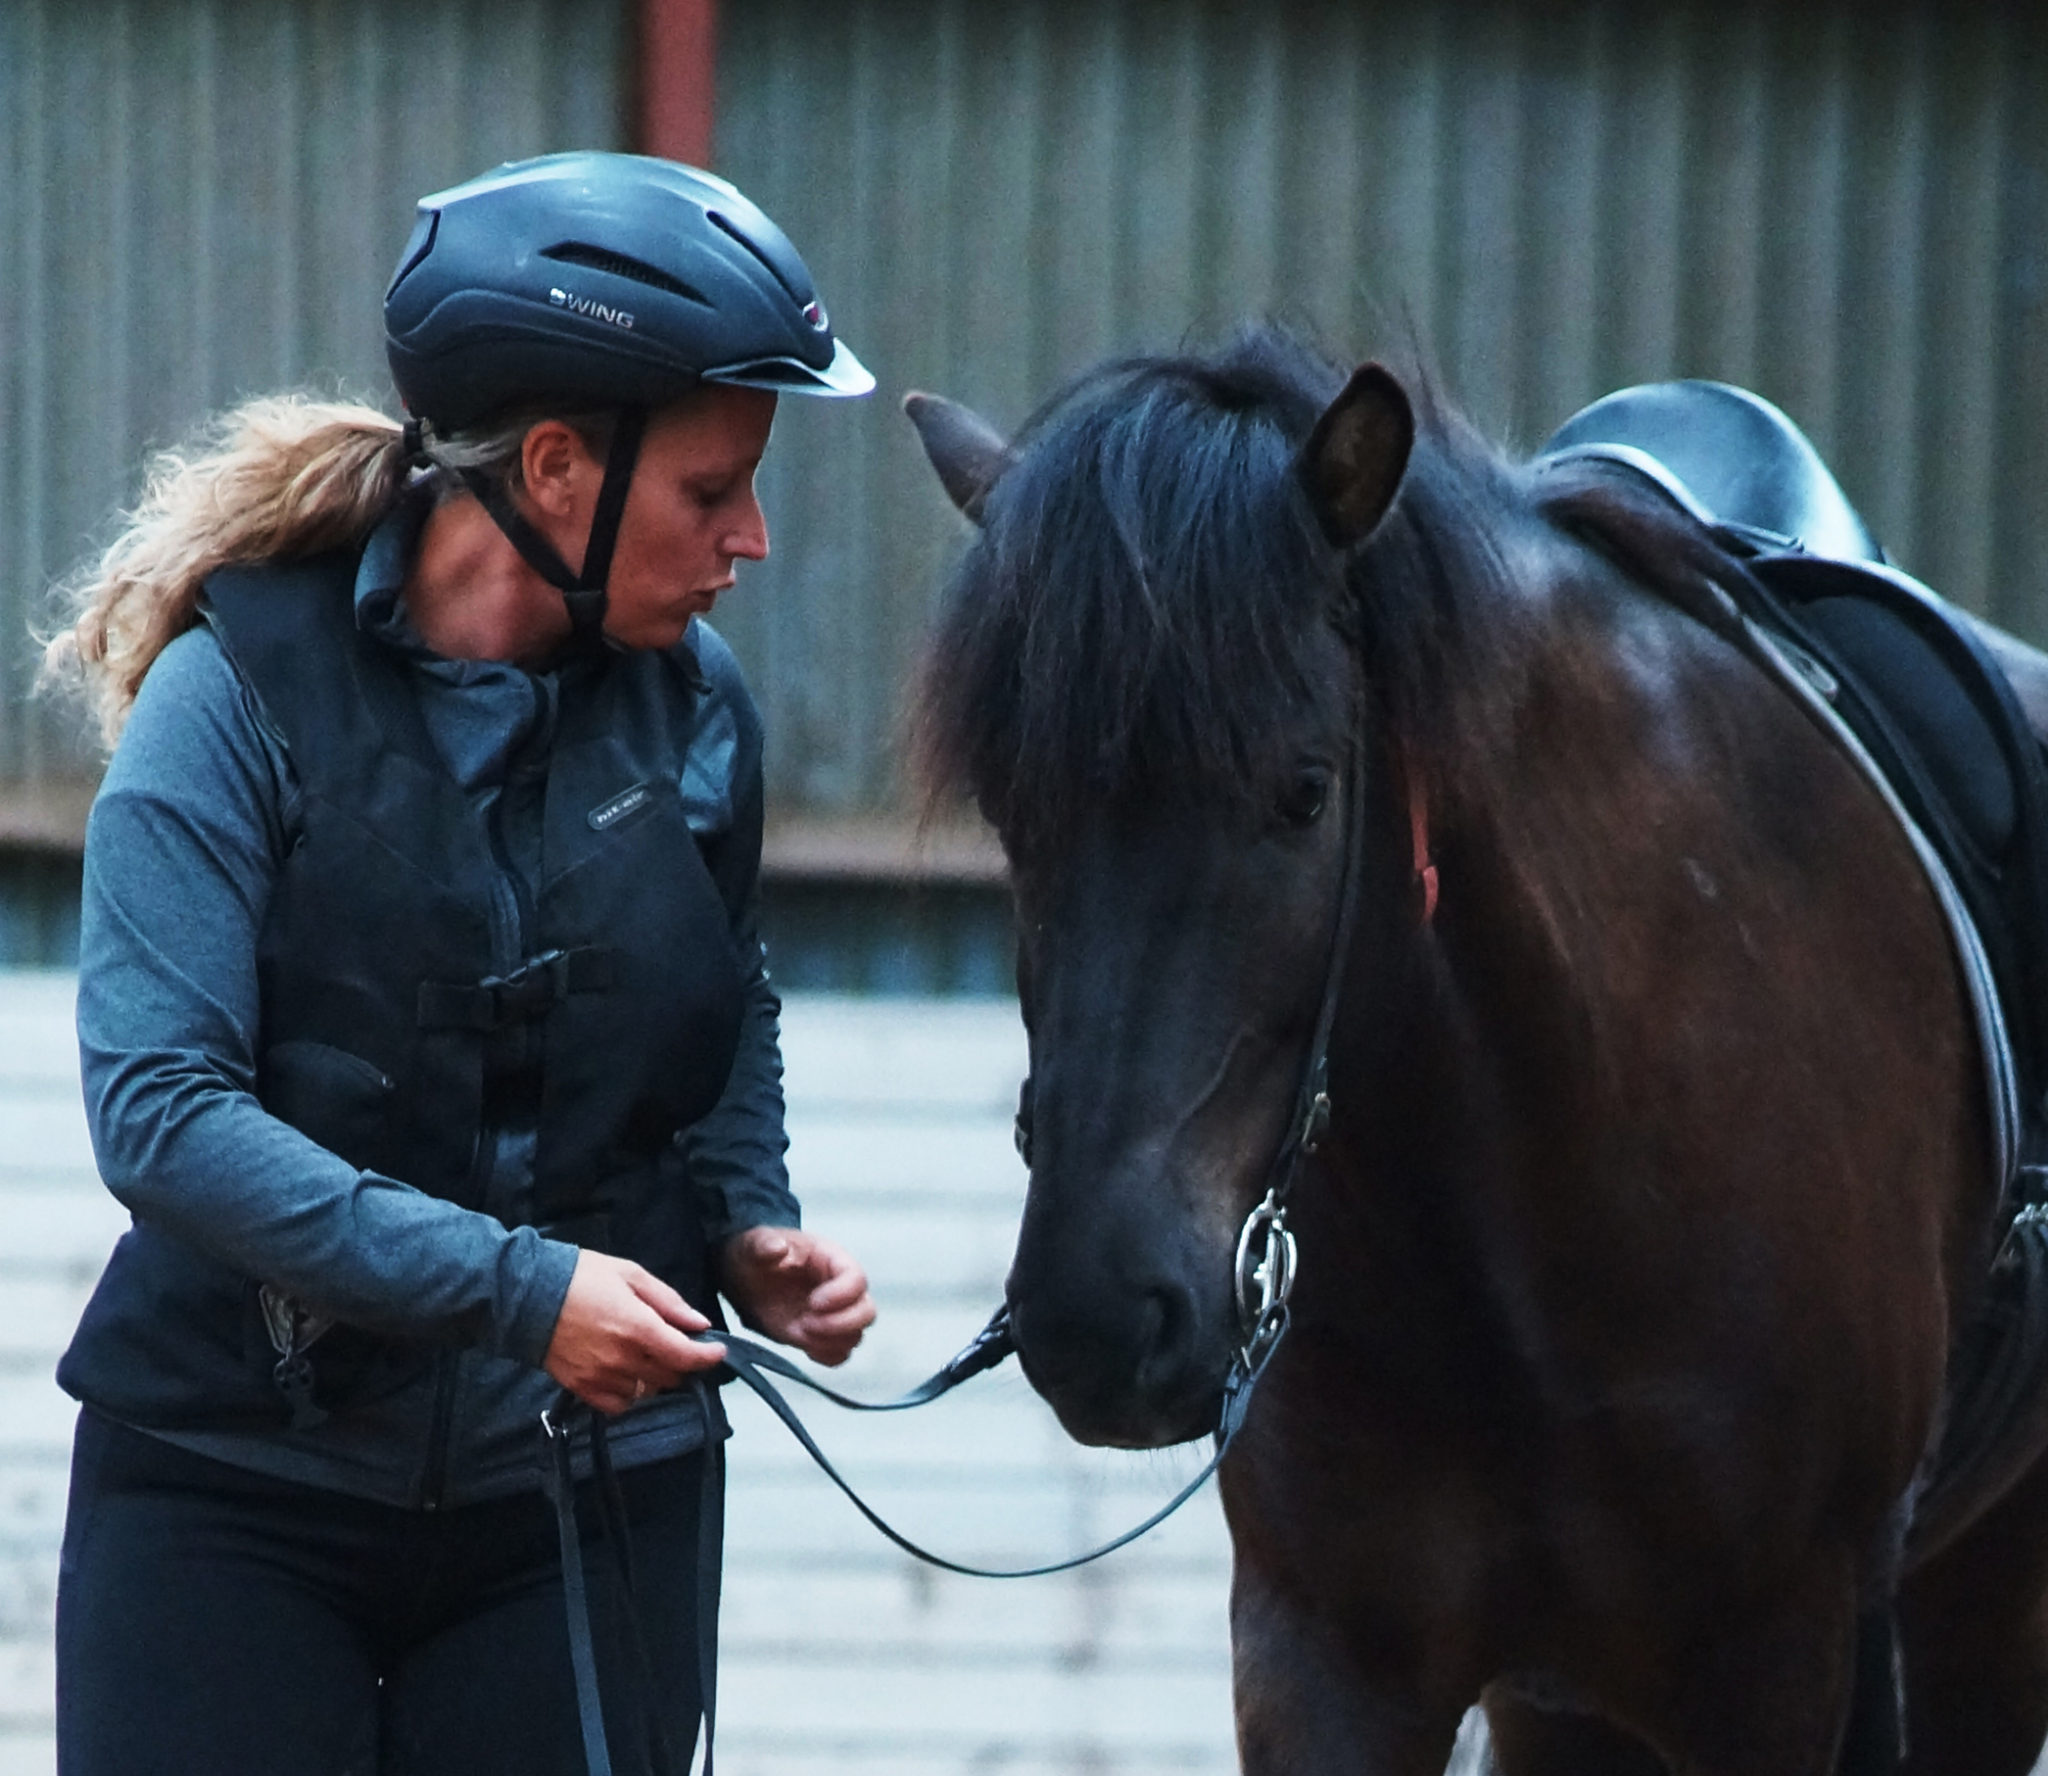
(748, 539)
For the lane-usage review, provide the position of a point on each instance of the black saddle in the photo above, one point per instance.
(1919, 689)
(1733, 457)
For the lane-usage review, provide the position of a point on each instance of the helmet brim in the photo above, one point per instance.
(845, 375)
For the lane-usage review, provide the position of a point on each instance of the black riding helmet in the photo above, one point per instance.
(598, 278)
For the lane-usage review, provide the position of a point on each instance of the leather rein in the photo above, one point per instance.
(1262, 1281)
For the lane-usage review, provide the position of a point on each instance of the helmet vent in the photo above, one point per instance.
(618, 265)
(719, 220)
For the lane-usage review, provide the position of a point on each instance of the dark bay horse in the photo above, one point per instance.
(1657, 1182)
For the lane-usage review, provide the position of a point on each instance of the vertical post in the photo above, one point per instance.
(678, 78)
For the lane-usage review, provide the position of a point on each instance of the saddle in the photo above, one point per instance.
(1912, 684)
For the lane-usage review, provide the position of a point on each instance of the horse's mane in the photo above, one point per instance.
(1139, 618)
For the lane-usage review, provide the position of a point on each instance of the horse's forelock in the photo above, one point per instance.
(1143, 613)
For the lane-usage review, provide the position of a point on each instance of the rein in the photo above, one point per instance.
(1264, 1276)
(1262, 1281)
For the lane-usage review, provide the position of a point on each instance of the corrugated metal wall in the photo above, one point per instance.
(1840, 204)
(201, 199)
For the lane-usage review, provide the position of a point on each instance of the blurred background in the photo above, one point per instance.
(1842, 204)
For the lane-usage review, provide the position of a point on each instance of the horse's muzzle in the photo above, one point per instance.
(1133, 1372)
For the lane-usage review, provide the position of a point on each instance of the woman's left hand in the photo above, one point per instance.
(798, 1289)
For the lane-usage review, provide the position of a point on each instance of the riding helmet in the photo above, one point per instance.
(601, 277)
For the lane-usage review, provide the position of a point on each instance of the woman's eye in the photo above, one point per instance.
(1302, 801)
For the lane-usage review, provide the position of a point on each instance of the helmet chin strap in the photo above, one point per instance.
(583, 593)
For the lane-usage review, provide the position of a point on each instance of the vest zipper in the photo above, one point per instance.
(510, 921)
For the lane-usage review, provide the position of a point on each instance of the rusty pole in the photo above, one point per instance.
(678, 76)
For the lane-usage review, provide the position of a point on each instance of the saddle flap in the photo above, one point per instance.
(1909, 664)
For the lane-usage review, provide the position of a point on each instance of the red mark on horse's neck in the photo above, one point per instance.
(1418, 837)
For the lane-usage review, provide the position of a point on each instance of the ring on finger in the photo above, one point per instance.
(639, 1388)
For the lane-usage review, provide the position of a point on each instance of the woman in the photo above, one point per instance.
(424, 1023)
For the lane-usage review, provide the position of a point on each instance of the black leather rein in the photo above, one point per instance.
(1262, 1280)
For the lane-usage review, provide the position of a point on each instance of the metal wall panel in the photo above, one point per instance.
(202, 199)
(1845, 206)
(1842, 205)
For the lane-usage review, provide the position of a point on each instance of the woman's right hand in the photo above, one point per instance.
(623, 1334)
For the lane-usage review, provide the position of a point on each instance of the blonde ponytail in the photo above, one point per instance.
(277, 477)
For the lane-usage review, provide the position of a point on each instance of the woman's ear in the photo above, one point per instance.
(556, 468)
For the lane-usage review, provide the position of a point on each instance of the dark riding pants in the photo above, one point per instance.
(216, 1622)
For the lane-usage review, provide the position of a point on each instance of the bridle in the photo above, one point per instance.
(1262, 1282)
(1263, 1271)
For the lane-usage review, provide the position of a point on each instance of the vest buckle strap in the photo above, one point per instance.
(530, 991)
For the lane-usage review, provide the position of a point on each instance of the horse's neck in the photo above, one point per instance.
(1664, 900)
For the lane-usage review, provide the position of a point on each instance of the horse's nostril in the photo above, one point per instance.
(1164, 1333)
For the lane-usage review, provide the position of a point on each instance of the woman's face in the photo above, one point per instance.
(690, 514)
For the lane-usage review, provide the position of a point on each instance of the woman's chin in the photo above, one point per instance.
(651, 636)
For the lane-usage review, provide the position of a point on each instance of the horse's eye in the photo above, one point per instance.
(1302, 801)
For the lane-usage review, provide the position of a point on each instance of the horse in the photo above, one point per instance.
(1655, 1186)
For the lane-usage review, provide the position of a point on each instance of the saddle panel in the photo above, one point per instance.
(1926, 685)
(1927, 693)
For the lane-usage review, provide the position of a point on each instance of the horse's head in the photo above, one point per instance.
(1148, 674)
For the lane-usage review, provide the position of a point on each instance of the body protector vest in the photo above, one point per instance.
(422, 1001)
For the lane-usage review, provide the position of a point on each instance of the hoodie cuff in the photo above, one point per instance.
(534, 1277)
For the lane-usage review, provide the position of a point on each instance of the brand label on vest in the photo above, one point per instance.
(628, 801)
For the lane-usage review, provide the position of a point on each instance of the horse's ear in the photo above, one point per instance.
(969, 453)
(1353, 461)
